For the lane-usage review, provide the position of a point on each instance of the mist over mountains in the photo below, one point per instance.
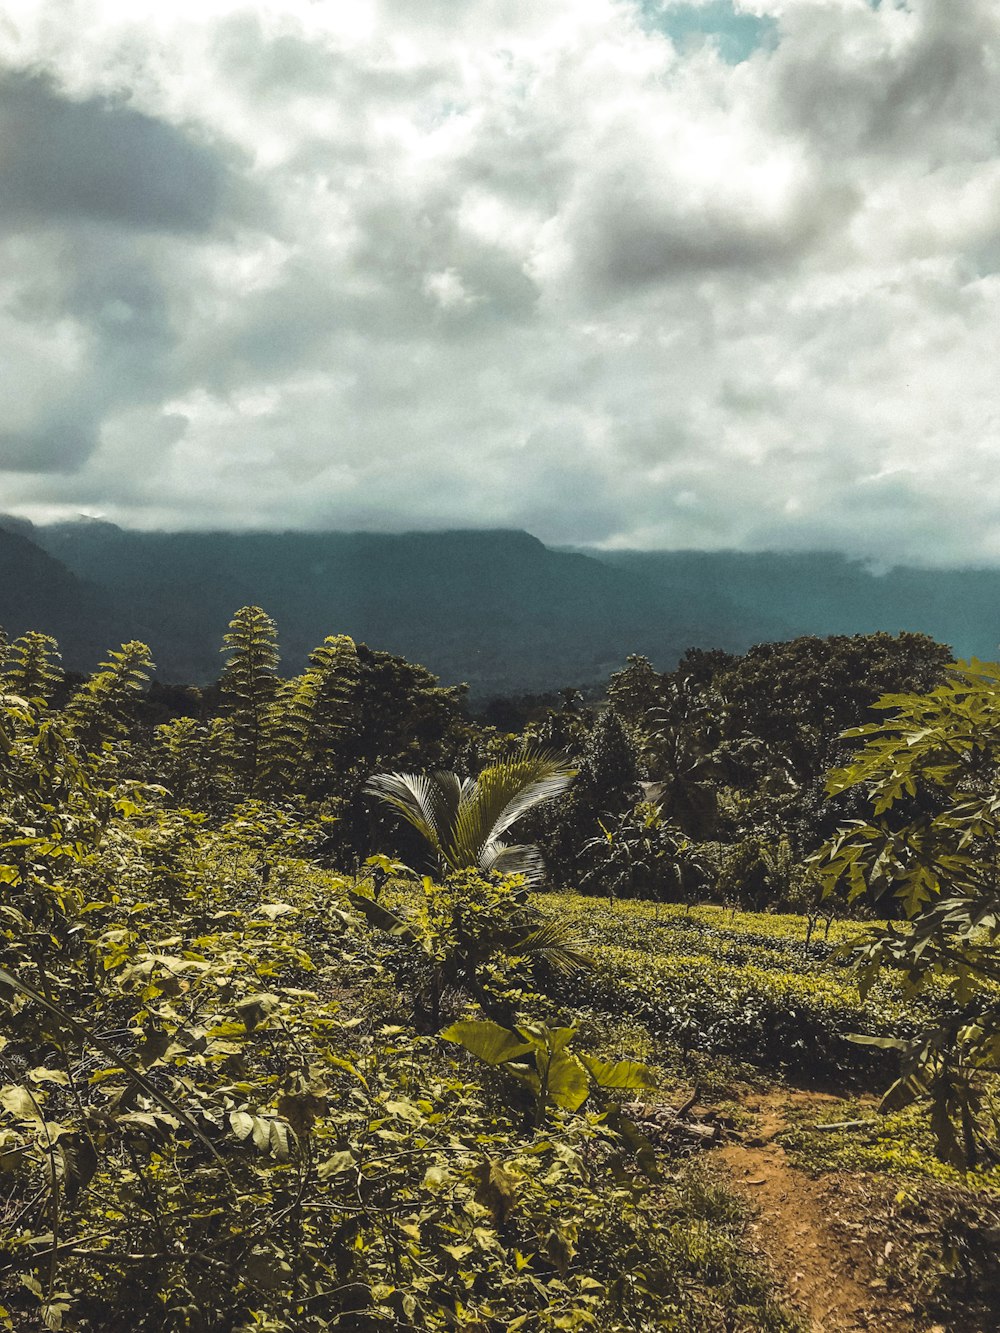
(497, 609)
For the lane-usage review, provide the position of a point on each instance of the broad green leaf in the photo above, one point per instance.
(241, 1123)
(619, 1073)
(337, 1164)
(19, 1102)
(568, 1084)
(488, 1041)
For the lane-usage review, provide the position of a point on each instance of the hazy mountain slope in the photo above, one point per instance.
(39, 592)
(498, 609)
(824, 593)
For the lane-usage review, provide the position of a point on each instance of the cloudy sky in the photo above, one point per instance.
(630, 272)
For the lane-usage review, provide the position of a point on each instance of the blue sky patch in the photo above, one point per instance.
(736, 35)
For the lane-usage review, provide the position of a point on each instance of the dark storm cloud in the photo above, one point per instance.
(64, 160)
(629, 249)
(931, 90)
(60, 444)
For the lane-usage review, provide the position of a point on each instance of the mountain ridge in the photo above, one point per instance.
(496, 608)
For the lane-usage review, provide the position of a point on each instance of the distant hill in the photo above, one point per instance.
(822, 593)
(495, 608)
(39, 592)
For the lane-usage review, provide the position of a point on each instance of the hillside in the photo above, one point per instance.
(823, 593)
(39, 592)
(301, 1031)
(497, 609)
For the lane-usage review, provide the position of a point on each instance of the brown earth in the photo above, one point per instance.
(812, 1232)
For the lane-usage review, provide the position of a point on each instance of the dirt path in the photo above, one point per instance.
(805, 1227)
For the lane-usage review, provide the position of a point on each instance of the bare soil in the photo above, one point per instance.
(812, 1231)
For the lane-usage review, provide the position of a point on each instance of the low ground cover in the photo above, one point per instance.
(739, 1005)
(741, 984)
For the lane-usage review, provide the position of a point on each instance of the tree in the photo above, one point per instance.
(606, 788)
(250, 685)
(31, 667)
(464, 820)
(400, 718)
(637, 688)
(190, 758)
(308, 711)
(401, 715)
(797, 697)
(100, 709)
(683, 747)
(930, 851)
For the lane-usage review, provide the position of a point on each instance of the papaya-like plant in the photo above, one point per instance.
(537, 1056)
(928, 853)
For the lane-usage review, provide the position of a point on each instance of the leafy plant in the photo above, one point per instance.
(381, 869)
(644, 855)
(472, 935)
(100, 709)
(465, 820)
(930, 852)
(306, 714)
(538, 1057)
(250, 684)
(31, 668)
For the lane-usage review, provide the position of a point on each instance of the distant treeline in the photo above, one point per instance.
(495, 609)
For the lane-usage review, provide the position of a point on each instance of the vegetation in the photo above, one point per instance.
(465, 820)
(258, 1075)
(932, 849)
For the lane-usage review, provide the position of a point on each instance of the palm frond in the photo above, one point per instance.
(526, 781)
(449, 792)
(555, 941)
(513, 859)
(502, 794)
(464, 819)
(416, 797)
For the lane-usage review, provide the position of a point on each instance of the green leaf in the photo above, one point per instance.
(458, 1252)
(488, 1041)
(241, 1123)
(382, 918)
(568, 1084)
(883, 1043)
(19, 1102)
(253, 1009)
(337, 1164)
(619, 1074)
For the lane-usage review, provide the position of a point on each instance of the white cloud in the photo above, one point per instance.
(483, 262)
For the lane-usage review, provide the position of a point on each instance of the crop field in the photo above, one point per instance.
(712, 981)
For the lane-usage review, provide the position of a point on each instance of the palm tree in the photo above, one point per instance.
(465, 819)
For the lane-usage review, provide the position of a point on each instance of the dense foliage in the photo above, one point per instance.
(931, 848)
(256, 1074)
